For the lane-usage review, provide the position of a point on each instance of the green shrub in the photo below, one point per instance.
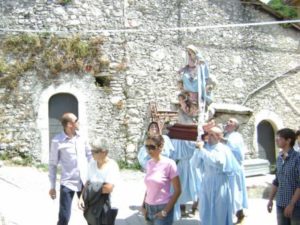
(285, 10)
(126, 165)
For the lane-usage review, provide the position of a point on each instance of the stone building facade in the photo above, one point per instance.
(140, 34)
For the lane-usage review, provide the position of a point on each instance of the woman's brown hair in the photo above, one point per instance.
(157, 139)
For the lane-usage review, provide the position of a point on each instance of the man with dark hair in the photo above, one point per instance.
(71, 151)
(287, 181)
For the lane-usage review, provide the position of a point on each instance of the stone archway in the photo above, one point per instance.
(43, 113)
(266, 141)
(58, 105)
(270, 122)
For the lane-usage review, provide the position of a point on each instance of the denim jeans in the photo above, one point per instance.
(152, 220)
(282, 220)
(65, 203)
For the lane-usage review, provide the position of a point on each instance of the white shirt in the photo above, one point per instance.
(73, 155)
(109, 173)
(297, 146)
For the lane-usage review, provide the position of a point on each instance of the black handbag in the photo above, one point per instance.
(108, 214)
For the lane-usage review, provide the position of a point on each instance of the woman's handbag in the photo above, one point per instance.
(108, 214)
(98, 208)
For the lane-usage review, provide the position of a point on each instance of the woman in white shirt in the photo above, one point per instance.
(102, 171)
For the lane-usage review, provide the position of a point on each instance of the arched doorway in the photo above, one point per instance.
(58, 105)
(266, 141)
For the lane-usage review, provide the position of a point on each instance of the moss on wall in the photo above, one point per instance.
(25, 52)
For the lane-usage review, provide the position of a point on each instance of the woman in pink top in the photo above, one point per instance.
(161, 173)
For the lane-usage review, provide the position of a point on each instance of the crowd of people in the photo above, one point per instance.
(86, 170)
(211, 174)
(209, 170)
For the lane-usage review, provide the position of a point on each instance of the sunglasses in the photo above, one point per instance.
(97, 151)
(150, 147)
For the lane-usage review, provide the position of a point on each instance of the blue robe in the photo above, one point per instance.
(184, 151)
(191, 84)
(215, 203)
(236, 144)
(196, 164)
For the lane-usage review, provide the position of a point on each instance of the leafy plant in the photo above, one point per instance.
(22, 43)
(27, 51)
(3, 66)
(126, 165)
(285, 10)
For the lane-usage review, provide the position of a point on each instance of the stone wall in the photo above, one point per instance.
(242, 58)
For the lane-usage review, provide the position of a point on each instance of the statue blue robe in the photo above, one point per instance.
(190, 83)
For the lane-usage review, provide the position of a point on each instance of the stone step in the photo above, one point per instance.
(254, 167)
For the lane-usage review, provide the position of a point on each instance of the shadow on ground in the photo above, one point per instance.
(260, 191)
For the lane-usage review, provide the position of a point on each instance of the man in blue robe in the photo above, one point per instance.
(218, 168)
(236, 144)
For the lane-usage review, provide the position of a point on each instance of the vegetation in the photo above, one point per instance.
(3, 67)
(25, 52)
(64, 2)
(17, 158)
(126, 165)
(42, 166)
(273, 168)
(285, 10)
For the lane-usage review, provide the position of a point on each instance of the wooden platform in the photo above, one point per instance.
(183, 132)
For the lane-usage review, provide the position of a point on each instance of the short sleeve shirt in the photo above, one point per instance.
(108, 174)
(158, 180)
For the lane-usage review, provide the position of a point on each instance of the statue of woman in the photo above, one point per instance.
(197, 83)
(194, 74)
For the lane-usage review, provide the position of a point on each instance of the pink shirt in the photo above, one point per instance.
(158, 180)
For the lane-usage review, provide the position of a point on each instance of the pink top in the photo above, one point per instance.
(158, 180)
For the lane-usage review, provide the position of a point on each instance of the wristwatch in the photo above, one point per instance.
(163, 213)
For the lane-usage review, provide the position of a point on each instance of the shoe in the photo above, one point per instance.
(240, 219)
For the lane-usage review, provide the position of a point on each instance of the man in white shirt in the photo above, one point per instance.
(71, 151)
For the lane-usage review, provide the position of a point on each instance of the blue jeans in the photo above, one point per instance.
(65, 204)
(153, 209)
(282, 220)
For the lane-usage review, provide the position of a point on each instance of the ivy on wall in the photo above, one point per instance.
(49, 55)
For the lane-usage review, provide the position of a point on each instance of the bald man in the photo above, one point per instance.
(218, 168)
(236, 144)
